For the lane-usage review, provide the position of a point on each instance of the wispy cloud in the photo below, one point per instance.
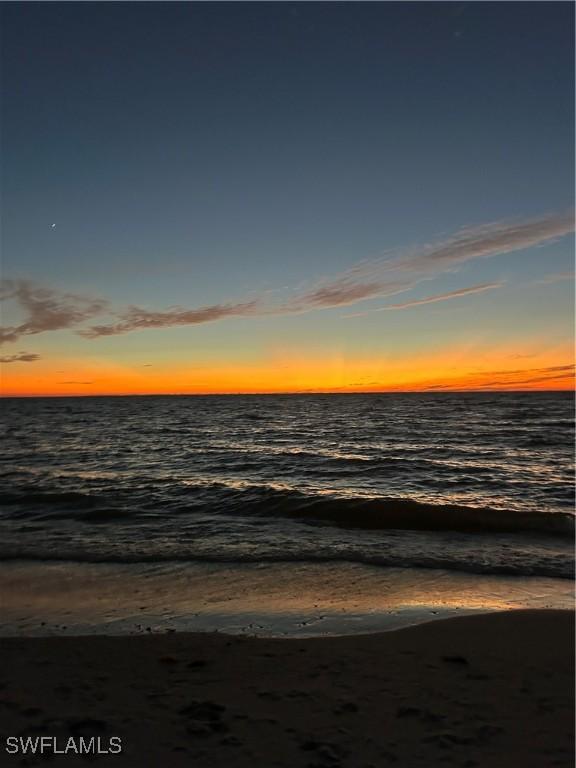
(337, 294)
(46, 309)
(432, 299)
(548, 369)
(20, 357)
(556, 277)
(136, 318)
(386, 276)
(512, 383)
(511, 379)
(486, 241)
(343, 292)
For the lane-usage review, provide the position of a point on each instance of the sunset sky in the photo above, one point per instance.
(286, 197)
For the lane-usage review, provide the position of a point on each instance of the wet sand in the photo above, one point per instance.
(484, 690)
(267, 599)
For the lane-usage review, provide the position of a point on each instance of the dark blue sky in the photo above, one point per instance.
(190, 153)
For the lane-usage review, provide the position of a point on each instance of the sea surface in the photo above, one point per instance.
(477, 483)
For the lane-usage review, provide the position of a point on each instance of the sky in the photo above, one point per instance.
(213, 197)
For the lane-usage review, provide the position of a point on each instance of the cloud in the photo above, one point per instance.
(537, 379)
(556, 277)
(338, 294)
(21, 357)
(48, 310)
(432, 299)
(531, 380)
(370, 280)
(509, 379)
(343, 292)
(549, 369)
(45, 309)
(486, 241)
(135, 318)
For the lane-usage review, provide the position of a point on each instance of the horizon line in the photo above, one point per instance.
(299, 393)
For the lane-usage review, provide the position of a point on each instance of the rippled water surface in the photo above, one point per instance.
(476, 482)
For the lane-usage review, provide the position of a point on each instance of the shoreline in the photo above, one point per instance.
(285, 600)
(483, 690)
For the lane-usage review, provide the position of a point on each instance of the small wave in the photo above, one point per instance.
(543, 442)
(551, 567)
(267, 500)
(253, 416)
(68, 505)
(402, 514)
(91, 516)
(411, 515)
(48, 497)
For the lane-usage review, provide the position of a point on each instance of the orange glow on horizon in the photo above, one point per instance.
(455, 369)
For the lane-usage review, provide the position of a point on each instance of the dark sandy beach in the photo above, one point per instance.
(483, 690)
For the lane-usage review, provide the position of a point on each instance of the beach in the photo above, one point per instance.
(491, 689)
(288, 582)
(287, 406)
(278, 582)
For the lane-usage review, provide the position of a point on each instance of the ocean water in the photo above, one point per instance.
(475, 483)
